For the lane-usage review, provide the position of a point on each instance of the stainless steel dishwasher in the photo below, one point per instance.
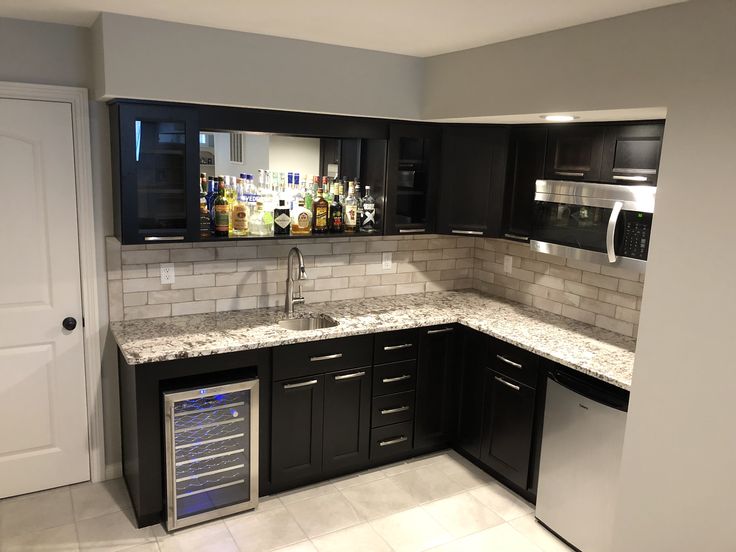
(582, 439)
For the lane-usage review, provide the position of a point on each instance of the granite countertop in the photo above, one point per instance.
(594, 351)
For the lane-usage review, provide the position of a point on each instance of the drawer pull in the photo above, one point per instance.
(325, 357)
(507, 384)
(163, 238)
(569, 173)
(395, 410)
(394, 441)
(468, 232)
(441, 330)
(397, 378)
(412, 230)
(516, 237)
(509, 362)
(350, 376)
(395, 347)
(300, 384)
(637, 178)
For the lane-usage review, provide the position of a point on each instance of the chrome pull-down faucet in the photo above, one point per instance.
(292, 299)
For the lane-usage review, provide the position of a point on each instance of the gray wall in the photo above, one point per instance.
(678, 477)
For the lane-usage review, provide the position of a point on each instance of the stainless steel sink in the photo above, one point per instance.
(309, 322)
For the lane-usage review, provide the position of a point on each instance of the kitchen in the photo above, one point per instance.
(503, 281)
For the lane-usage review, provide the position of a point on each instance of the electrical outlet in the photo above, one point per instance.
(387, 258)
(168, 275)
(508, 262)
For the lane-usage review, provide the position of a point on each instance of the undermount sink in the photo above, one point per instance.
(309, 322)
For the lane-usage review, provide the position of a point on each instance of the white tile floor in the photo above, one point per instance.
(440, 502)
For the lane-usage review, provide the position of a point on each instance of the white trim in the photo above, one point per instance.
(78, 99)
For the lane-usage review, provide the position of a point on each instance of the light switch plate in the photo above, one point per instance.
(168, 275)
(387, 259)
(508, 263)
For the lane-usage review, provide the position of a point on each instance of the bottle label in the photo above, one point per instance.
(320, 217)
(240, 219)
(283, 220)
(302, 220)
(369, 214)
(351, 216)
(222, 218)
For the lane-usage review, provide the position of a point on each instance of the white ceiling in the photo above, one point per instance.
(412, 27)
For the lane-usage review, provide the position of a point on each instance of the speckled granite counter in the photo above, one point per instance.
(600, 353)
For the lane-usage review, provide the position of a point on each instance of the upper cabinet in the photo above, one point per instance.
(574, 152)
(412, 178)
(473, 168)
(156, 186)
(631, 153)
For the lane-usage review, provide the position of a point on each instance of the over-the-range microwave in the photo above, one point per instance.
(605, 224)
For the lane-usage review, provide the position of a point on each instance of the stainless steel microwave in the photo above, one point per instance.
(605, 224)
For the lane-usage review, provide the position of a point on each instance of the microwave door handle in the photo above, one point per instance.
(611, 231)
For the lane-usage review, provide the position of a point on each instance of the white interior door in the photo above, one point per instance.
(43, 410)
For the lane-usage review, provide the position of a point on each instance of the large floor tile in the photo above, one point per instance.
(427, 483)
(411, 531)
(323, 514)
(502, 538)
(462, 515)
(361, 538)
(538, 534)
(304, 546)
(35, 512)
(210, 537)
(502, 501)
(463, 472)
(263, 531)
(56, 539)
(97, 499)
(310, 491)
(112, 532)
(358, 478)
(378, 498)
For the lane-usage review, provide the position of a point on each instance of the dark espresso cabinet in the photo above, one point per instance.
(631, 153)
(476, 351)
(574, 152)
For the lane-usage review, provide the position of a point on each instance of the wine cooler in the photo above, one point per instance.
(211, 452)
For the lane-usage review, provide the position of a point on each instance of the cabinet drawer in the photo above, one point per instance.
(318, 357)
(392, 409)
(395, 346)
(391, 441)
(395, 377)
(516, 363)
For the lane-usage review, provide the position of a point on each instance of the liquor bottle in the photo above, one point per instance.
(321, 210)
(301, 220)
(259, 224)
(350, 210)
(204, 211)
(326, 184)
(239, 212)
(281, 219)
(368, 212)
(336, 221)
(222, 212)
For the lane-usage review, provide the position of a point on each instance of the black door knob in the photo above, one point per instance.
(69, 323)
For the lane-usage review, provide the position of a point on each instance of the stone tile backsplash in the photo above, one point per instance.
(222, 276)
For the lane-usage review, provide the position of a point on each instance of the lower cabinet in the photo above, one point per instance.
(476, 349)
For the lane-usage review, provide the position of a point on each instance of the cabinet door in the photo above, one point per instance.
(296, 430)
(574, 152)
(508, 427)
(347, 413)
(473, 167)
(435, 414)
(631, 153)
(155, 165)
(475, 364)
(412, 177)
(527, 149)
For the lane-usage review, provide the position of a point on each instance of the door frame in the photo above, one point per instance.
(78, 99)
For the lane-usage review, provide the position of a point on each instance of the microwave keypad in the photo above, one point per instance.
(636, 239)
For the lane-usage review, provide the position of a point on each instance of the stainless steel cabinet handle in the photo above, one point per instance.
(611, 231)
(163, 238)
(325, 357)
(569, 173)
(506, 383)
(394, 410)
(441, 330)
(350, 376)
(516, 237)
(395, 441)
(411, 230)
(398, 378)
(300, 384)
(468, 232)
(634, 178)
(509, 362)
(394, 347)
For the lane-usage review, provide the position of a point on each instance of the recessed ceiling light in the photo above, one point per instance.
(559, 118)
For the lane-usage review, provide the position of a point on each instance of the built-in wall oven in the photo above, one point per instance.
(599, 223)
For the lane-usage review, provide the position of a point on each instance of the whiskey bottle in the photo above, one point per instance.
(239, 211)
(301, 220)
(368, 212)
(321, 210)
(222, 212)
(336, 222)
(281, 219)
(350, 211)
